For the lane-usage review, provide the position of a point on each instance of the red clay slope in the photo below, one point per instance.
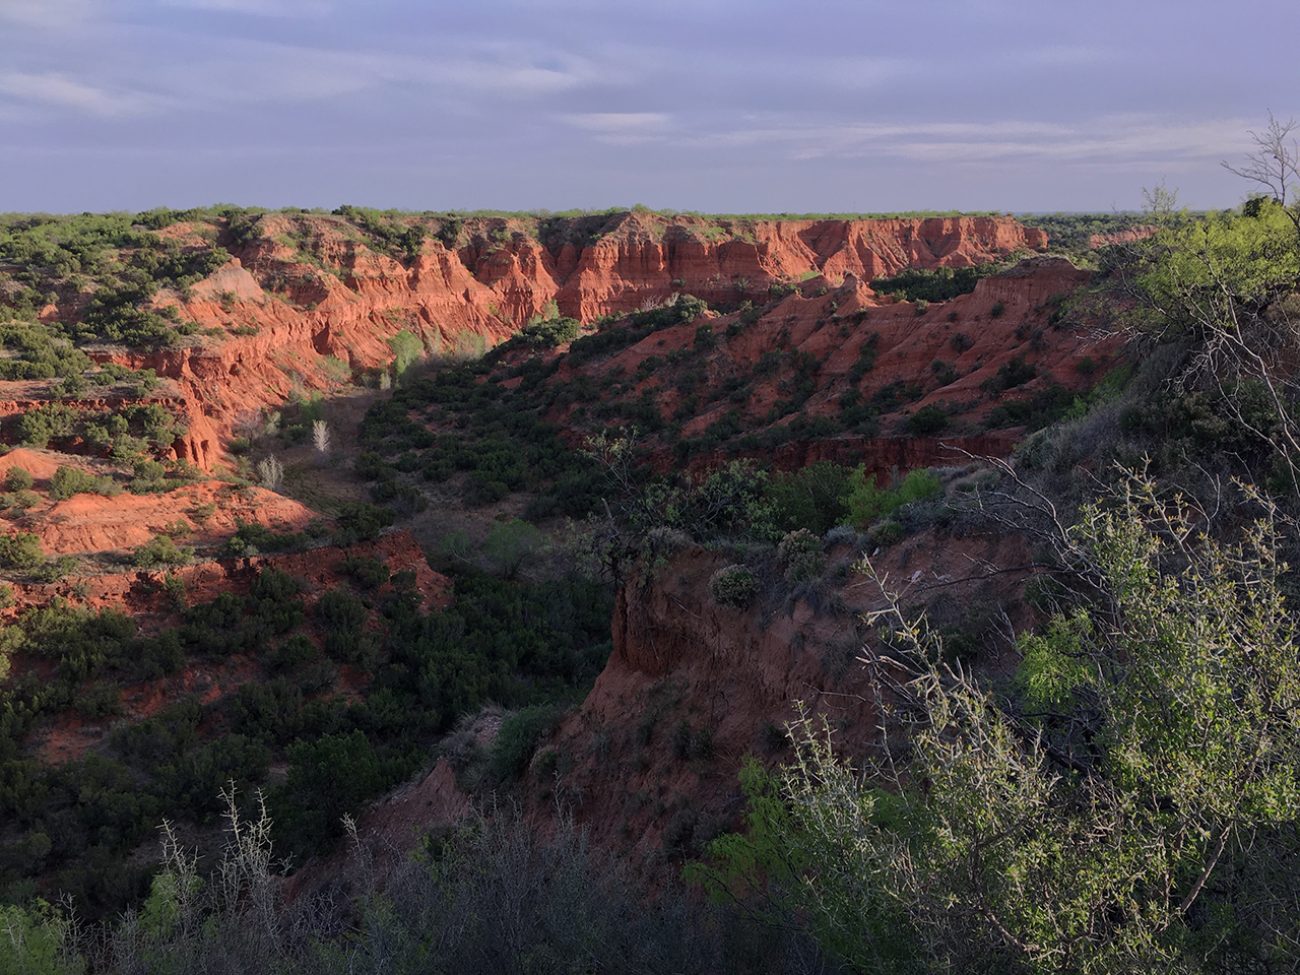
(303, 290)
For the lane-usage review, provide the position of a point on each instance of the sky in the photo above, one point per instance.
(714, 105)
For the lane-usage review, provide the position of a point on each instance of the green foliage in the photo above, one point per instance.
(329, 777)
(927, 421)
(393, 231)
(407, 349)
(18, 479)
(733, 585)
(812, 497)
(67, 481)
(21, 550)
(1053, 665)
(37, 941)
(37, 352)
(36, 428)
(800, 555)
(782, 864)
(1071, 233)
(515, 643)
(510, 544)
(254, 538)
(628, 330)
(368, 573)
(546, 333)
(517, 739)
(867, 501)
(939, 284)
(1193, 267)
(161, 550)
(1015, 372)
(1114, 818)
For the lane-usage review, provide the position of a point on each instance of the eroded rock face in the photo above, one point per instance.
(281, 319)
(650, 760)
(836, 347)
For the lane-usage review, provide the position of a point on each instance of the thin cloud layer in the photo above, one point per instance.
(762, 105)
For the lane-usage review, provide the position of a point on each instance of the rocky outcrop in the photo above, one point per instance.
(809, 358)
(308, 300)
(649, 762)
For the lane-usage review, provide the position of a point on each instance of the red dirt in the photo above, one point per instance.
(680, 658)
(94, 524)
(139, 592)
(141, 595)
(1007, 317)
(346, 300)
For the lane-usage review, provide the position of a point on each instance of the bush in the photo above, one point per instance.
(867, 501)
(926, 421)
(517, 740)
(407, 349)
(811, 498)
(18, 479)
(1011, 374)
(885, 533)
(548, 333)
(68, 481)
(509, 544)
(36, 428)
(733, 585)
(368, 573)
(21, 550)
(800, 555)
(161, 550)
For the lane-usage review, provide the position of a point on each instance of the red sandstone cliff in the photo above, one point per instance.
(302, 290)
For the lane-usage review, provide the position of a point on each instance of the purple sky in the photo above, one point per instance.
(722, 105)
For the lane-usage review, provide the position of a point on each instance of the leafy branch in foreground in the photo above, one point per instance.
(1133, 809)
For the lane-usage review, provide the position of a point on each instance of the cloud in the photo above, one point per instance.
(259, 8)
(621, 128)
(1115, 138)
(45, 13)
(59, 91)
(256, 71)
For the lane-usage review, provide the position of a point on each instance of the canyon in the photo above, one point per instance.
(728, 339)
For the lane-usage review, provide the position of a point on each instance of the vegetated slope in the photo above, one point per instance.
(114, 371)
(241, 309)
(820, 372)
(696, 684)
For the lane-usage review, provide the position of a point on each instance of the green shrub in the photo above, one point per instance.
(67, 481)
(549, 332)
(517, 740)
(885, 533)
(939, 284)
(18, 479)
(407, 349)
(366, 572)
(800, 555)
(1010, 374)
(161, 550)
(21, 550)
(811, 498)
(867, 501)
(926, 421)
(733, 585)
(36, 428)
(509, 544)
